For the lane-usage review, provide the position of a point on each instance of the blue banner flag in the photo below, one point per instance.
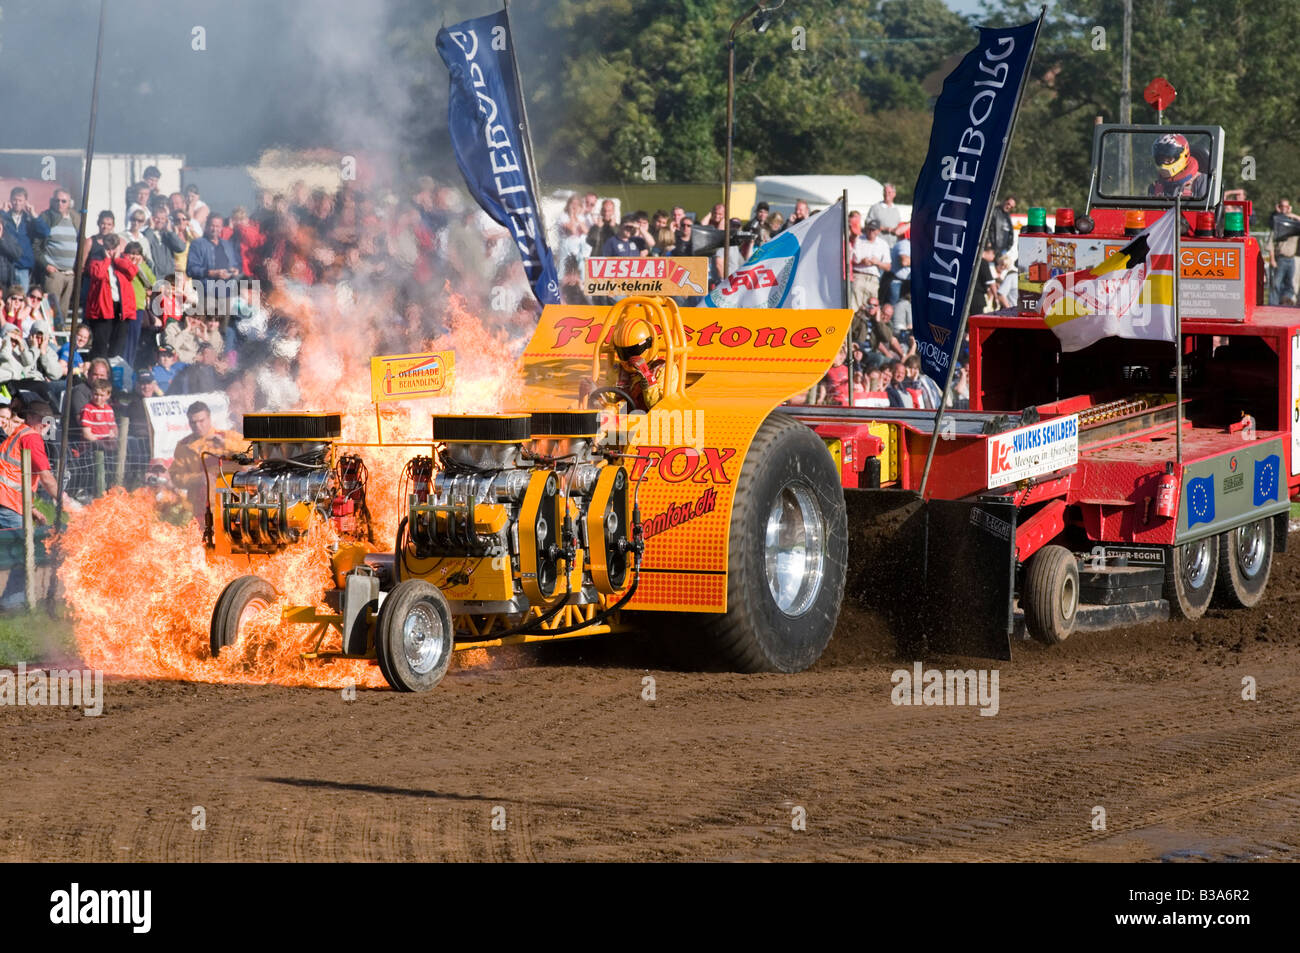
(968, 142)
(488, 134)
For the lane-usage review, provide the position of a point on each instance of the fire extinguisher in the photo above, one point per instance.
(1167, 493)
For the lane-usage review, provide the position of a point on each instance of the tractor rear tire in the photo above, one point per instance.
(242, 598)
(787, 557)
(1190, 577)
(414, 637)
(1245, 560)
(1049, 594)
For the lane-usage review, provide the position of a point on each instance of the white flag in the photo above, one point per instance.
(800, 268)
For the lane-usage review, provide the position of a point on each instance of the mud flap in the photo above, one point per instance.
(943, 571)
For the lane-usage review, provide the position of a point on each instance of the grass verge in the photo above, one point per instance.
(35, 636)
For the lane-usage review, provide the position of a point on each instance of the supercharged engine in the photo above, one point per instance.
(522, 513)
(296, 477)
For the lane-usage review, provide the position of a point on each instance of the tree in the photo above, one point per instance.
(1232, 62)
(829, 87)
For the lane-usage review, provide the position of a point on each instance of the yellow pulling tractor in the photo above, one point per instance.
(679, 501)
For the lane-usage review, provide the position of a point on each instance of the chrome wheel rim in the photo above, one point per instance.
(795, 549)
(422, 638)
(1250, 549)
(1196, 563)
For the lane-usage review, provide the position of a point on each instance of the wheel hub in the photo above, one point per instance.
(422, 639)
(795, 549)
(1196, 562)
(1250, 549)
(1069, 598)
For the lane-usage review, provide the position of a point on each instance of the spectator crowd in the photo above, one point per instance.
(180, 298)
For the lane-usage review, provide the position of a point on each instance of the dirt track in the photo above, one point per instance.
(1148, 724)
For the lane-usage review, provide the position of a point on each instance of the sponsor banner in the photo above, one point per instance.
(408, 376)
(487, 135)
(1212, 274)
(1032, 451)
(1295, 404)
(677, 514)
(169, 424)
(1136, 555)
(802, 267)
(671, 277)
(1211, 283)
(758, 340)
(972, 124)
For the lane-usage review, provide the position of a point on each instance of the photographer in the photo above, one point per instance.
(742, 247)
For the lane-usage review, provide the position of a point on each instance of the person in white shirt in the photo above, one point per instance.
(888, 215)
(1008, 293)
(870, 260)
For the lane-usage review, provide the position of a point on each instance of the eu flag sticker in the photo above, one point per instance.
(1200, 500)
(1267, 484)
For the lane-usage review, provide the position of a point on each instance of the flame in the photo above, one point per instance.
(141, 589)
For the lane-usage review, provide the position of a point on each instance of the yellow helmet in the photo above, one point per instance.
(635, 338)
(1170, 153)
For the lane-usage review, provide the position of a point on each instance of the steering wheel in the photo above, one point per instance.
(617, 392)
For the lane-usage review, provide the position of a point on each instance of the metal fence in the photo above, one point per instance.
(95, 467)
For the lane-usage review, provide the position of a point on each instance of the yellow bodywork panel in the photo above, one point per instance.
(740, 364)
(836, 447)
(348, 558)
(464, 578)
(888, 434)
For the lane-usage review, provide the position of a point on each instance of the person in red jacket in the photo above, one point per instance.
(248, 238)
(111, 301)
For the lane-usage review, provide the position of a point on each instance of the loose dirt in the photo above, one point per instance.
(562, 748)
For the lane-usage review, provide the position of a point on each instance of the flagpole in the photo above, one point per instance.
(527, 135)
(79, 264)
(1178, 330)
(970, 290)
(844, 287)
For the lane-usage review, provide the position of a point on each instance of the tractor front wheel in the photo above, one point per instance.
(240, 601)
(1049, 594)
(414, 636)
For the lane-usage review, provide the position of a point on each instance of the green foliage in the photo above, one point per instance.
(1233, 63)
(612, 81)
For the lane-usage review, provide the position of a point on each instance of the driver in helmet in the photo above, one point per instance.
(1177, 171)
(641, 372)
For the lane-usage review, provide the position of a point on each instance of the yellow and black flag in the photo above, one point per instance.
(1129, 295)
